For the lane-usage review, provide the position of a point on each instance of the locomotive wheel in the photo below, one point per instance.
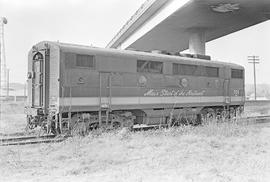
(122, 119)
(232, 113)
(211, 114)
(204, 115)
(29, 126)
(184, 121)
(54, 130)
(208, 115)
(173, 122)
(93, 126)
(224, 115)
(221, 115)
(197, 120)
(77, 126)
(32, 123)
(79, 129)
(238, 112)
(116, 125)
(194, 120)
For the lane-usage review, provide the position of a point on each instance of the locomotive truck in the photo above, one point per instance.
(72, 84)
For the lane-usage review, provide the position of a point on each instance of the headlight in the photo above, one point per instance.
(184, 82)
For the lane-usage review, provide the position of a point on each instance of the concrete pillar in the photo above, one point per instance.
(197, 41)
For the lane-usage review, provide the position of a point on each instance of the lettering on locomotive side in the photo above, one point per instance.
(173, 92)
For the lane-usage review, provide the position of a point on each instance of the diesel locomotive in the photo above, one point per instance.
(71, 85)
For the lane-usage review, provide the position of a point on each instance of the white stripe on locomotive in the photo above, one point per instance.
(94, 101)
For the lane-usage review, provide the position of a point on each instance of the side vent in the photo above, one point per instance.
(198, 56)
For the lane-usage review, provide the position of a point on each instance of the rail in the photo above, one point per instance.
(25, 140)
(258, 119)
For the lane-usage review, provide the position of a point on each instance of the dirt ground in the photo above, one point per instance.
(214, 152)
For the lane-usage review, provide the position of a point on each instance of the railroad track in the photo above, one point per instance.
(247, 120)
(263, 117)
(257, 119)
(25, 140)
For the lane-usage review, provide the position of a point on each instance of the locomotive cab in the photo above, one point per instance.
(37, 108)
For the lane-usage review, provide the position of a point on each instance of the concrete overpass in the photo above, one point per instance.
(177, 25)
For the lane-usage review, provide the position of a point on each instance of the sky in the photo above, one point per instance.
(95, 22)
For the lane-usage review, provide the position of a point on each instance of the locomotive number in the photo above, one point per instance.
(236, 92)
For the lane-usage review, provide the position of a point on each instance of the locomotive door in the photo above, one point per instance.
(105, 90)
(37, 81)
(227, 91)
(40, 80)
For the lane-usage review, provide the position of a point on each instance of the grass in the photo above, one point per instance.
(212, 152)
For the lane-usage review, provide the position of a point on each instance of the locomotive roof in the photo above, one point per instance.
(118, 52)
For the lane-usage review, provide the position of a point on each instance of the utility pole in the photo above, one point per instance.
(7, 84)
(254, 60)
(24, 93)
(3, 21)
(3, 75)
